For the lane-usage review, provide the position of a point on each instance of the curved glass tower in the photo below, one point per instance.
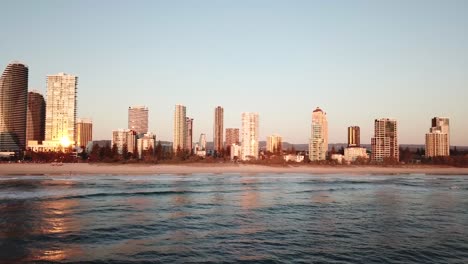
(13, 107)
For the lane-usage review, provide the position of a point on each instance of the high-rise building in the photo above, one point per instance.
(138, 119)
(35, 124)
(218, 129)
(202, 142)
(189, 134)
(84, 131)
(13, 107)
(180, 128)
(250, 124)
(61, 110)
(318, 144)
(124, 137)
(354, 136)
(438, 138)
(147, 142)
(274, 144)
(232, 136)
(385, 140)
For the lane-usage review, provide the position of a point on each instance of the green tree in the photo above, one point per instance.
(125, 154)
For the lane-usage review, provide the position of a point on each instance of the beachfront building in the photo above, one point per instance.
(249, 136)
(13, 108)
(84, 131)
(218, 129)
(180, 128)
(274, 144)
(353, 153)
(189, 134)
(61, 111)
(236, 151)
(124, 137)
(438, 138)
(232, 137)
(35, 120)
(354, 136)
(138, 119)
(146, 142)
(385, 140)
(318, 144)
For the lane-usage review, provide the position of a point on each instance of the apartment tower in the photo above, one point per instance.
(354, 136)
(385, 140)
(13, 107)
(218, 129)
(438, 138)
(274, 144)
(84, 131)
(61, 109)
(318, 144)
(189, 134)
(180, 128)
(124, 137)
(35, 121)
(249, 136)
(138, 119)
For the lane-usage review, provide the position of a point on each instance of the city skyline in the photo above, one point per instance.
(378, 50)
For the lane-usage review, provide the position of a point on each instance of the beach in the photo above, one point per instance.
(216, 168)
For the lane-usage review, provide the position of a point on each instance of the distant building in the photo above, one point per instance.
(337, 157)
(138, 119)
(13, 107)
(180, 128)
(385, 140)
(84, 131)
(438, 138)
(202, 142)
(293, 158)
(61, 109)
(354, 136)
(353, 153)
(232, 137)
(274, 144)
(189, 134)
(235, 151)
(218, 129)
(123, 137)
(147, 142)
(35, 125)
(249, 136)
(318, 145)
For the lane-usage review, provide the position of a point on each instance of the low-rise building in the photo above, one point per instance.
(294, 158)
(351, 154)
(145, 143)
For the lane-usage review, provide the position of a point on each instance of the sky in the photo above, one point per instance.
(357, 60)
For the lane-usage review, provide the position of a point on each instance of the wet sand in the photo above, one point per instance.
(217, 168)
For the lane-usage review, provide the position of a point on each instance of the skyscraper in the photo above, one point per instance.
(180, 128)
(354, 136)
(35, 124)
(250, 124)
(138, 119)
(13, 107)
(189, 134)
(84, 131)
(318, 144)
(218, 129)
(202, 142)
(385, 140)
(274, 144)
(232, 136)
(438, 138)
(61, 109)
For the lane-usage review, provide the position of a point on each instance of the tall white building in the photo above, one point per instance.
(438, 138)
(318, 144)
(138, 119)
(249, 136)
(274, 143)
(385, 140)
(180, 128)
(61, 110)
(123, 137)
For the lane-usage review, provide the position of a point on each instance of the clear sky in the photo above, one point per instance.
(357, 60)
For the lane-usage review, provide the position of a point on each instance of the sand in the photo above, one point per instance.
(145, 169)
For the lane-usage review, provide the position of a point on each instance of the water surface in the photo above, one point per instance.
(265, 218)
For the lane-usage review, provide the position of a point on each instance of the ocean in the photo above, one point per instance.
(234, 218)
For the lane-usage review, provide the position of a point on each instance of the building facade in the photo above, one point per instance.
(180, 128)
(249, 136)
(84, 131)
(147, 142)
(202, 142)
(385, 140)
(138, 119)
(61, 109)
(318, 144)
(274, 144)
(438, 138)
(124, 137)
(13, 107)
(189, 134)
(354, 136)
(353, 153)
(232, 136)
(35, 124)
(218, 129)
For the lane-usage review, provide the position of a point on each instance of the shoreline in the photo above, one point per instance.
(17, 169)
